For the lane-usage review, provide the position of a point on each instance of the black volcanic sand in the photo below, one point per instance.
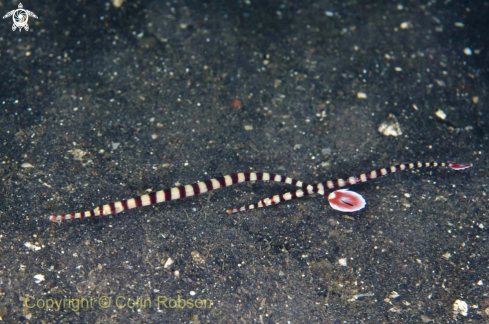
(100, 103)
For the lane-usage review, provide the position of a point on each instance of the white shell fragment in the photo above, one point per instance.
(117, 3)
(460, 308)
(342, 262)
(468, 51)
(39, 278)
(441, 114)
(361, 95)
(390, 127)
(31, 246)
(114, 145)
(26, 165)
(168, 263)
(358, 296)
(405, 25)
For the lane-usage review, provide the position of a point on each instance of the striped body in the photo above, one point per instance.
(338, 183)
(182, 192)
(229, 180)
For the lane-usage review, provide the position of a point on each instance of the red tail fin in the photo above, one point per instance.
(458, 166)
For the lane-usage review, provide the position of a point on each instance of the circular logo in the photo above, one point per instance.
(20, 18)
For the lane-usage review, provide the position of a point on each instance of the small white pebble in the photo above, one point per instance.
(390, 127)
(168, 263)
(405, 25)
(407, 195)
(389, 130)
(26, 165)
(459, 24)
(31, 246)
(440, 83)
(326, 151)
(115, 146)
(468, 51)
(447, 255)
(39, 278)
(342, 262)
(154, 136)
(361, 95)
(460, 307)
(117, 3)
(441, 114)
(248, 127)
(192, 293)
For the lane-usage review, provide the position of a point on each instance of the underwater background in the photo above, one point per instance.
(105, 100)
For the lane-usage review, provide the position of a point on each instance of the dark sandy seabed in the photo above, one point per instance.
(100, 103)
